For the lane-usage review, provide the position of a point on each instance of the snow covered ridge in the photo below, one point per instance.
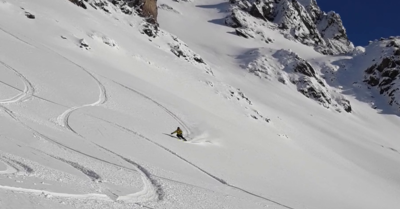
(290, 69)
(297, 20)
(384, 71)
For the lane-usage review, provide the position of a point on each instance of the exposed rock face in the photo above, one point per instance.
(146, 8)
(247, 27)
(290, 69)
(30, 15)
(302, 20)
(79, 3)
(149, 10)
(384, 72)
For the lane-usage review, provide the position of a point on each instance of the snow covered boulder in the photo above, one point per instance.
(30, 15)
(101, 38)
(84, 44)
(358, 51)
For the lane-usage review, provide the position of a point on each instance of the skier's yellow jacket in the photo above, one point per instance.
(178, 131)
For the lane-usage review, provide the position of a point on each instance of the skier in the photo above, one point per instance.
(179, 134)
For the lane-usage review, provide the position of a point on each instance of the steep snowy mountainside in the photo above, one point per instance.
(89, 97)
(297, 20)
(374, 74)
(281, 51)
(288, 68)
(384, 73)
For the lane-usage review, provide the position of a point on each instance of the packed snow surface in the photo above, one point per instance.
(87, 103)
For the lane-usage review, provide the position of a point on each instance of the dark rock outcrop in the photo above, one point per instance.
(145, 8)
(384, 73)
(290, 69)
(301, 19)
(29, 15)
(79, 3)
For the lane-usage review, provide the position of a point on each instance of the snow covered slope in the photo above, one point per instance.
(89, 97)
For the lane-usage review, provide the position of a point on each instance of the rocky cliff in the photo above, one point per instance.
(145, 8)
(383, 74)
(301, 20)
(290, 69)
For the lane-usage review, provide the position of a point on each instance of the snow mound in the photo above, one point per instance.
(103, 39)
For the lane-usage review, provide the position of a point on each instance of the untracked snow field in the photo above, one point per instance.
(87, 102)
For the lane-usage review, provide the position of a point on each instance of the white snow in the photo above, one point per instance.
(87, 127)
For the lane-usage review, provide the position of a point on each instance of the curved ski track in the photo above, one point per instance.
(88, 172)
(180, 157)
(150, 191)
(64, 117)
(9, 168)
(28, 92)
(144, 195)
(159, 105)
(149, 182)
(10, 34)
(194, 165)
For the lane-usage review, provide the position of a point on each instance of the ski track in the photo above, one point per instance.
(178, 156)
(9, 168)
(36, 96)
(10, 34)
(151, 189)
(142, 196)
(22, 165)
(64, 117)
(92, 196)
(83, 196)
(138, 197)
(88, 172)
(12, 170)
(195, 166)
(63, 121)
(158, 104)
(150, 182)
(162, 147)
(28, 88)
